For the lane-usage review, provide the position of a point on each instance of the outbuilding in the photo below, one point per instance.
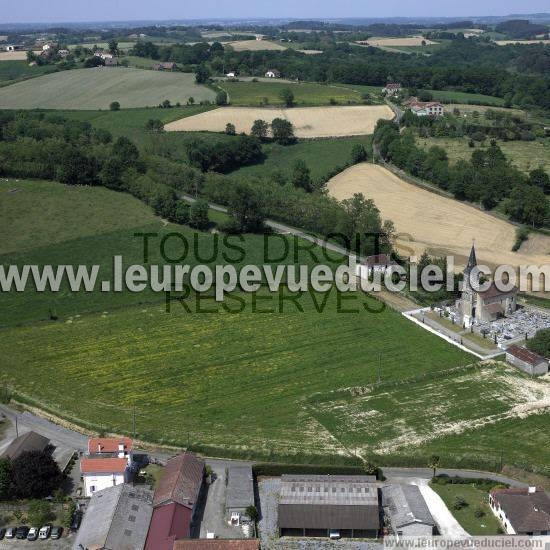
(526, 360)
(328, 506)
(406, 511)
(240, 493)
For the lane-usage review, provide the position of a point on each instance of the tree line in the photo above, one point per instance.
(487, 178)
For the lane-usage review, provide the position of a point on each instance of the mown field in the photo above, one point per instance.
(526, 155)
(322, 156)
(306, 93)
(18, 70)
(97, 88)
(466, 98)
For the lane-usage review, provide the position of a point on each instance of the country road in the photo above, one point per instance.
(288, 230)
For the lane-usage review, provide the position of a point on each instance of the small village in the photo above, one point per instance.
(118, 496)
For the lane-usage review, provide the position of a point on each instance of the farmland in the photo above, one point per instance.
(255, 45)
(19, 70)
(437, 224)
(526, 155)
(261, 93)
(322, 156)
(308, 122)
(97, 88)
(401, 41)
(208, 382)
(89, 225)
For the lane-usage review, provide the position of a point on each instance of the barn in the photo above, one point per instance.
(328, 506)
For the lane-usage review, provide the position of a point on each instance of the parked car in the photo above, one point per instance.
(10, 532)
(44, 532)
(56, 532)
(32, 534)
(21, 532)
(2, 533)
(77, 520)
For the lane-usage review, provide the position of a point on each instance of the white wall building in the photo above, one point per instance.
(109, 462)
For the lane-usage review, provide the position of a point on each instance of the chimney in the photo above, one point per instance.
(121, 450)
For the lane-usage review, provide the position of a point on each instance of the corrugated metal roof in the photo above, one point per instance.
(117, 517)
(240, 487)
(328, 516)
(333, 490)
(404, 505)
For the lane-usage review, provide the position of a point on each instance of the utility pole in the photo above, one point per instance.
(134, 420)
(16, 427)
(379, 368)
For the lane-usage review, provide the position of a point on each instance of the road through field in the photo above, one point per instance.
(308, 122)
(437, 224)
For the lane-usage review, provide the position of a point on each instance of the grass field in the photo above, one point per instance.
(400, 41)
(18, 70)
(477, 499)
(255, 93)
(322, 156)
(97, 88)
(131, 122)
(526, 155)
(465, 98)
(309, 122)
(206, 375)
(89, 225)
(437, 224)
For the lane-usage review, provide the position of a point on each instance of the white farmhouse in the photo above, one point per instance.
(273, 73)
(109, 462)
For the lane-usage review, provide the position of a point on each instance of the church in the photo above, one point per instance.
(483, 306)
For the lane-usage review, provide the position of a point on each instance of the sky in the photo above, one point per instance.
(48, 11)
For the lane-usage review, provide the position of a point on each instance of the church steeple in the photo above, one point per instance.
(472, 263)
(472, 260)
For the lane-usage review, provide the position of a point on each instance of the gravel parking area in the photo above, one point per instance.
(65, 543)
(269, 496)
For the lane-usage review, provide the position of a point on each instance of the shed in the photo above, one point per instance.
(30, 441)
(406, 510)
(240, 493)
(526, 360)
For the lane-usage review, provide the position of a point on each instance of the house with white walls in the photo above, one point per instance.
(108, 462)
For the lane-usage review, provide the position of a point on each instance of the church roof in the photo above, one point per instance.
(472, 260)
(493, 291)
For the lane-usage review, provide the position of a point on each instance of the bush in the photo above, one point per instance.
(221, 98)
(198, 215)
(114, 106)
(460, 503)
(39, 512)
(479, 512)
(522, 234)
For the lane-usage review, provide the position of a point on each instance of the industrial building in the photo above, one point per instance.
(328, 506)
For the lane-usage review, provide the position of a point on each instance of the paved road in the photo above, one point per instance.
(287, 229)
(427, 473)
(58, 435)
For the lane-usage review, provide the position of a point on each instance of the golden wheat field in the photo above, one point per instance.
(19, 55)
(437, 224)
(405, 41)
(254, 45)
(308, 122)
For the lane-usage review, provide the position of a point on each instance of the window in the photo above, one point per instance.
(92, 488)
(132, 519)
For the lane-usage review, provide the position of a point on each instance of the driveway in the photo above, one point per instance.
(213, 518)
(448, 526)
